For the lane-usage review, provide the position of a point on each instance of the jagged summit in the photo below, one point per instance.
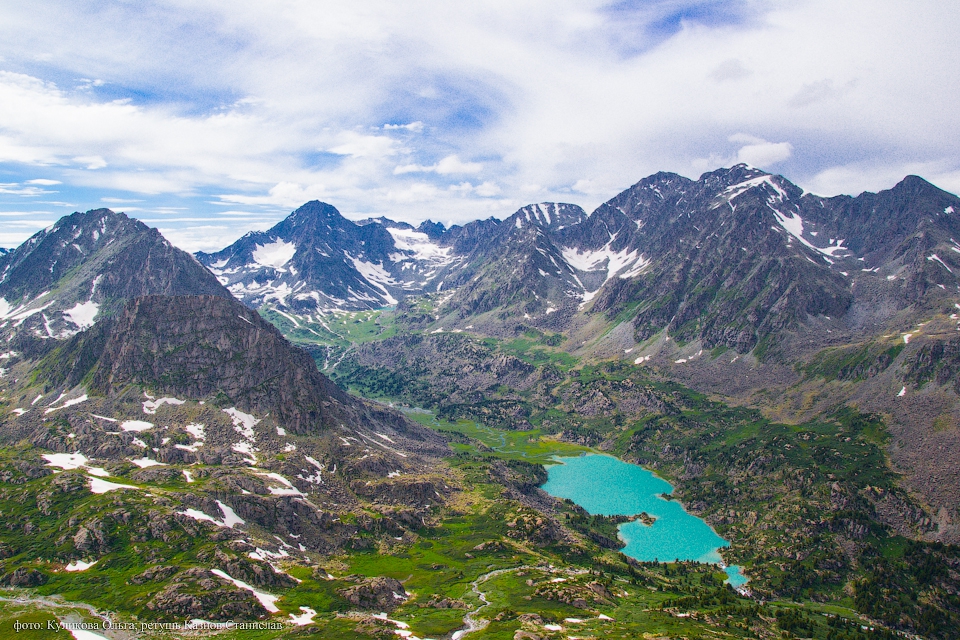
(83, 267)
(549, 216)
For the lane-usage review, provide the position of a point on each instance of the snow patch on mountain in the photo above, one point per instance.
(793, 224)
(151, 405)
(735, 190)
(376, 275)
(268, 601)
(82, 314)
(421, 246)
(66, 461)
(97, 485)
(243, 423)
(623, 263)
(274, 255)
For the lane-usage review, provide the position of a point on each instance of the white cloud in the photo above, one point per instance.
(732, 69)
(211, 237)
(9, 240)
(855, 178)
(451, 164)
(411, 168)
(415, 127)
(547, 94)
(15, 189)
(485, 189)
(44, 182)
(360, 146)
(91, 162)
(286, 194)
(417, 192)
(764, 154)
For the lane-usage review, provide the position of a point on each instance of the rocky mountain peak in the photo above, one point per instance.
(82, 268)
(198, 347)
(549, 216)
(52, 252)
(434, 230)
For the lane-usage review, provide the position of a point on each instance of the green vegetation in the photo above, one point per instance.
(328, 336)
(799, 503)
(854, 362)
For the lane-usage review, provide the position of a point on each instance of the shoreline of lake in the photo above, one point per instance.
(675, 534)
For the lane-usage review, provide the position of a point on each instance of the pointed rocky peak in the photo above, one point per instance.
(81, 269)
(915, 186)
(549, 216)
(214, 350)
(315, 226)
(655, 195)
(728, 176)
(384, 222)
(52, 252)
(434, 230)
(729, 184)
(317, 260)
(314, 211)
(663, 184)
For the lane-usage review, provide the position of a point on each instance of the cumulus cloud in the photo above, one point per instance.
(91, 162)
(286, 194)
(760, 153)
(380, 108)
(415, 127)
(485, 189)
(448, 165)
(360, 146)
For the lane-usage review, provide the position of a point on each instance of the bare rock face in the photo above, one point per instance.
(198, 593)
(202, 346)
(380, 594)
(157, 573)
(23, 577)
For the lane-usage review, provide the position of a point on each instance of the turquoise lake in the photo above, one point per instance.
(604, 485)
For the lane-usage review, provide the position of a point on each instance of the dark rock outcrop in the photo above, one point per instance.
(380, 594)
(202, 346)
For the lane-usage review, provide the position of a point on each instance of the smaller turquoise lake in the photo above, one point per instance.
(604, 485)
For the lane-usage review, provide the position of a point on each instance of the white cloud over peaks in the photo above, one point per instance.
(378, 107)
(284, 194)
(361, 146)
(415, 127)
(91, 162)
(15, 189)
(451, 164)
(760, 153)
(485, 189)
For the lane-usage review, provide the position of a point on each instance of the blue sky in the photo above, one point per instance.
(208, 119)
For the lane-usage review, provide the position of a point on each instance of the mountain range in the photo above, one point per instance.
(675, 325)
(729, 259)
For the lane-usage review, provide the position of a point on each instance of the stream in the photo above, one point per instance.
(471, 624)
(54, 602)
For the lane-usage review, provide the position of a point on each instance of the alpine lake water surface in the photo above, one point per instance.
(604, 485)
